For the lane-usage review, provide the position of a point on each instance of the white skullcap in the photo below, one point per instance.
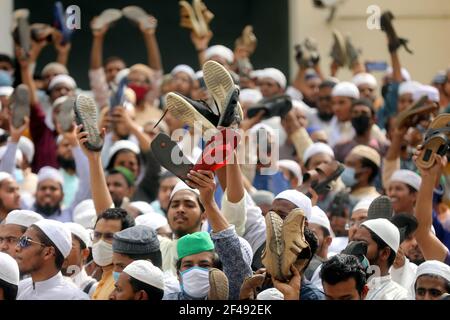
(434, 267)
(27, 147)
(407, 177)
(251, 96)
(345, 89)
(270, 294)
(183, 68)
(182, 186)
(405, 73)
(293, 167)
(299, 199)
(368, 153)
(50, 173)
(221, 51)
(426, 90)
(256, 73)
(199, 75)
(84, 214)
(261, 197)
(5, 175)
(319, 217)
(153, 220)
(19, 155)
(247, 252)
(80, 232)
(9, 270)
(122, 145)
(60, 68)
(58, 233)
(363, 204)
(386, 230)
(60, 101)
(145, 271)
(62, 79)
(142, 206)
(408, 87)
(275, 75)
(316, 148)
(365, 78)
(24, 218)
(6, 91)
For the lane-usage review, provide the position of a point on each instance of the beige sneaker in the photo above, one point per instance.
(272, 254)
(218, 285)
(188, 18)
(295, 248)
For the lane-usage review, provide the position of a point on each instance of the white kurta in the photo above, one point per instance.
(55, 288)
(406, 275)
(82, 280)
(384, 288)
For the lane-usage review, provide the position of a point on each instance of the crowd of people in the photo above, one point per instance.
(344, 196)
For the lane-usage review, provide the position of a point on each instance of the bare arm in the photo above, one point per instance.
(27, 78)
(153, 54)
(97, 46)
(201, 44)
(396, 67)
(120, 115)
(62, 50)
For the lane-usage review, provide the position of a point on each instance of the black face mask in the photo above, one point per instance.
(325, 116)
(361, 124)
(46, 210)
(66, 164)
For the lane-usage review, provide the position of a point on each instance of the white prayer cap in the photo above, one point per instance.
(255, 74)
(434, 267)
(345, 89)
(199, 74)
(9, 270)
(316, 148)
(142, 206)
(19, 155)
(60, 101)
(50, 173)
(251, 96)
(183, 68)
(261, 197)
(425, 90)
(62, 79)
(153, 220)
(121, 145)
(5, 175)
(270, 294)
(368, 153)
(407, 177)
(293, 167)
(363, 204)
(84, 214)
(386, 230)
(405, 73)
(365, 78)
(80, 232)
(221, 51)
(24, 218)
(182, 186)
(55, 67)
(299, 199)
(319, 217)
(275, 75)
(145, 271)
(58, 233)
(6, 91)
(408, 87)
(27, 147)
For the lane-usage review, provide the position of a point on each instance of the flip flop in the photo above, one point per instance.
(60, 22)
(410, 117)
(273, 107)
(138, 15)
(352, 52)
(86, 114)
(66, 115)
(437, 140)
(107, 17)
(20, 105)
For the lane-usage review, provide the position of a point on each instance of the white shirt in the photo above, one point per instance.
(406, 275)
(82, 280)
(55, 288)
(384, 288)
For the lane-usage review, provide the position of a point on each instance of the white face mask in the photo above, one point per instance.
(102, 253)
(195, 282)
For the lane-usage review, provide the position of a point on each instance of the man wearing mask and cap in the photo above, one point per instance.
(140, 280)
(9, 277)
(73, 265)
(383, 240)
(432, 280)
(402, 190)
(9, 195)
(182, 79)
(41, 252)
(15, 225)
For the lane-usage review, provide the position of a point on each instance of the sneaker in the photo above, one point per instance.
(272, 255)
(138, 15)
(352, 53)
(66, 116)
(60, 22)
(339, 51)
(20, 105)
(85, 111)
(231, 115)
(394, 42)
(218, 285)
(380, 207)
(296, 250)
(204, 16)
(107, 17)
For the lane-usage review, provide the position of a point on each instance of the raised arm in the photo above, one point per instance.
(25, 73)
(8, 162)
(121, 115)
(201, 44)
(153, 54)
(62, 50)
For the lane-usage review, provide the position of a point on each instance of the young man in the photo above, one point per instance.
(9, 277)
(432, 280)
(9, 195)
(343, 278)
(402, 190)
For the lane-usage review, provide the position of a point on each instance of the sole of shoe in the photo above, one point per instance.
(85, 111)
(183, 110)
(435, 143)
(339, 49)
(219, 83)
(218, 285)
(21, 105)
(188, 18)
(108, 16)
(66, 116)
(272, 255)
(202, 14)
(24, 34)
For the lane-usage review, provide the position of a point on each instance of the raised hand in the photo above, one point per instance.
(201, 42)
(16, 133)
(203, 180)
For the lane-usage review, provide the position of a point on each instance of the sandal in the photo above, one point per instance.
(138, 15)
(204, 16)
(411, 116)
(60, 22)
(22, 34)
(320, 178)
(20, 105)
(273, 107)
(107, 17)
(394, 41)
(85, 111)
(338, 50)
(218, 285)
(66, 115)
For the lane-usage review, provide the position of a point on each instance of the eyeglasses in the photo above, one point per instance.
(25, 242)
(108, 236)
(350, 224)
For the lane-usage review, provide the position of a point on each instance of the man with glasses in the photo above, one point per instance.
(40, 252)
(108, 223)
(358, 216)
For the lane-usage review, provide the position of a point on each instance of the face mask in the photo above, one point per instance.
(18, 175)
(102, 253)
(348, 177)
(140, 91)
(360, 124)
(116, 276)
(6, 79)
(325, 116)
(195, 282)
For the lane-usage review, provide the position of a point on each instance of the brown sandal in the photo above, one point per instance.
(411, 116)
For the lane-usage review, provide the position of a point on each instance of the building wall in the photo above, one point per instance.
(6, 7)
(425, 23)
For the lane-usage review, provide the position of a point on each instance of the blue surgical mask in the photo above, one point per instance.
(6, 80)
(348, 177)
(116, 276)
(18, 175)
